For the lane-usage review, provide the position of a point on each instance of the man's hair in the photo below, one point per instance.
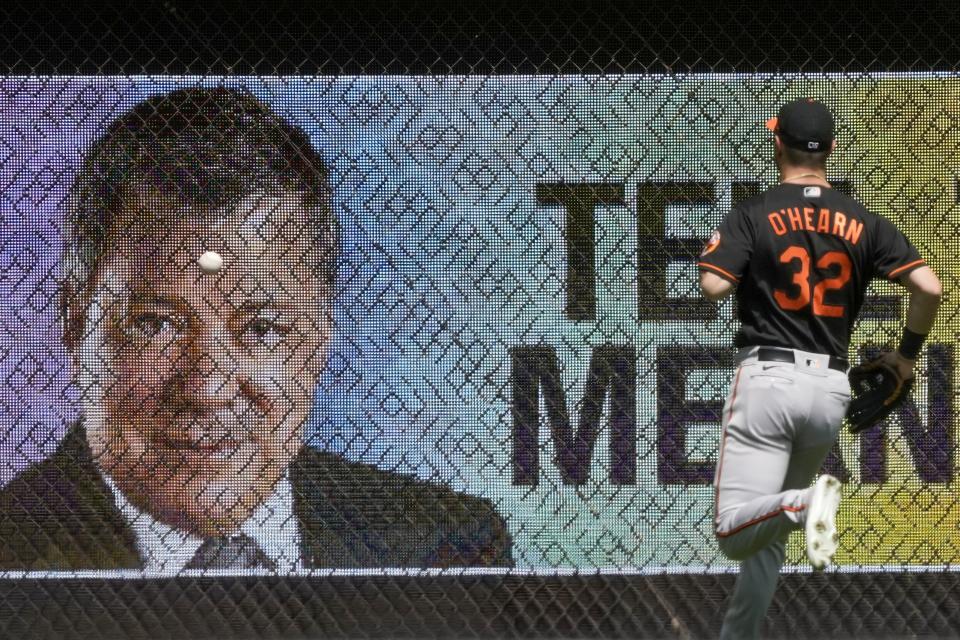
(201, 147)
(805, 159)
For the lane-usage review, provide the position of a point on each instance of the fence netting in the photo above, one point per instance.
(384, 320)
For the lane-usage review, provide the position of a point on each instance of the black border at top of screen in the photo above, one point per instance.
(364, 37)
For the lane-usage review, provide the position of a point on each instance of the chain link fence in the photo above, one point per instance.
(382, 320)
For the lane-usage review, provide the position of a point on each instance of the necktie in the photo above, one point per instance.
(230, 552)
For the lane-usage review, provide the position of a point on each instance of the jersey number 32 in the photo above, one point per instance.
(799, 260)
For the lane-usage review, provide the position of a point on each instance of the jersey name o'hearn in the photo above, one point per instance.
(809, 219)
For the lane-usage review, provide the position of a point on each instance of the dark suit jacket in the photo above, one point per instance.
(60, 515)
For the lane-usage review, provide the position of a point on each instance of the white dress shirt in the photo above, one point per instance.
(166, 550)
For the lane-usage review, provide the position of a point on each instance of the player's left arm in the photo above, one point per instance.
(898, 260)
(925, 293)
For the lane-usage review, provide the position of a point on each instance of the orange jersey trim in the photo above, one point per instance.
(760, 519)
(721, 272)
(909, 265)
(723, 442)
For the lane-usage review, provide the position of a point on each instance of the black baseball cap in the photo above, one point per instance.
(804, 124)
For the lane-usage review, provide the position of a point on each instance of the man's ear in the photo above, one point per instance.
(318, 359)
(71, 318)
(833, 145)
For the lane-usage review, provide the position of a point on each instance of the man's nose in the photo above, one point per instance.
(213, 371)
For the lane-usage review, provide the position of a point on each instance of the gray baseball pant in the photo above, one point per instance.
(779, 423)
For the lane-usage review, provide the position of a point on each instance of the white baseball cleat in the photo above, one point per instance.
(821, 525)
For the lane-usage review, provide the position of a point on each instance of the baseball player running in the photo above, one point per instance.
(799, 256)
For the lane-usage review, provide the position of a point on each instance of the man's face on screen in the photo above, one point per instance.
(198, 384)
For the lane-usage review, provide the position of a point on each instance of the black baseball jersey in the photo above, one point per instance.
(802, 257)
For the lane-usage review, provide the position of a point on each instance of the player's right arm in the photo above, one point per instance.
(725, 256)
(714, 287)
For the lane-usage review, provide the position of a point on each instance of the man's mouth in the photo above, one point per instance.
(199, 440)
(202, 445)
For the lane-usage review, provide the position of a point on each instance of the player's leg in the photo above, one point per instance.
(753, 592)
(825, 397)
(828, 403)
(759, 572)
(760, 419)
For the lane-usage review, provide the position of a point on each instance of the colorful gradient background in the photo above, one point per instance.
(449, 262)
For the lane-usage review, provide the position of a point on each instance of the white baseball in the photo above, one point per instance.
(210, 262)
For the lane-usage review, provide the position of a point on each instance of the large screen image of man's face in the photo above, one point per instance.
(451, 324)
(195, 381)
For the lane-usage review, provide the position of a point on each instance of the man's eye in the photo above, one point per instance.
(153, 325)
(265, 331)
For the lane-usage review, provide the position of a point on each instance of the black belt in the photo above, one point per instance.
(771, 354)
